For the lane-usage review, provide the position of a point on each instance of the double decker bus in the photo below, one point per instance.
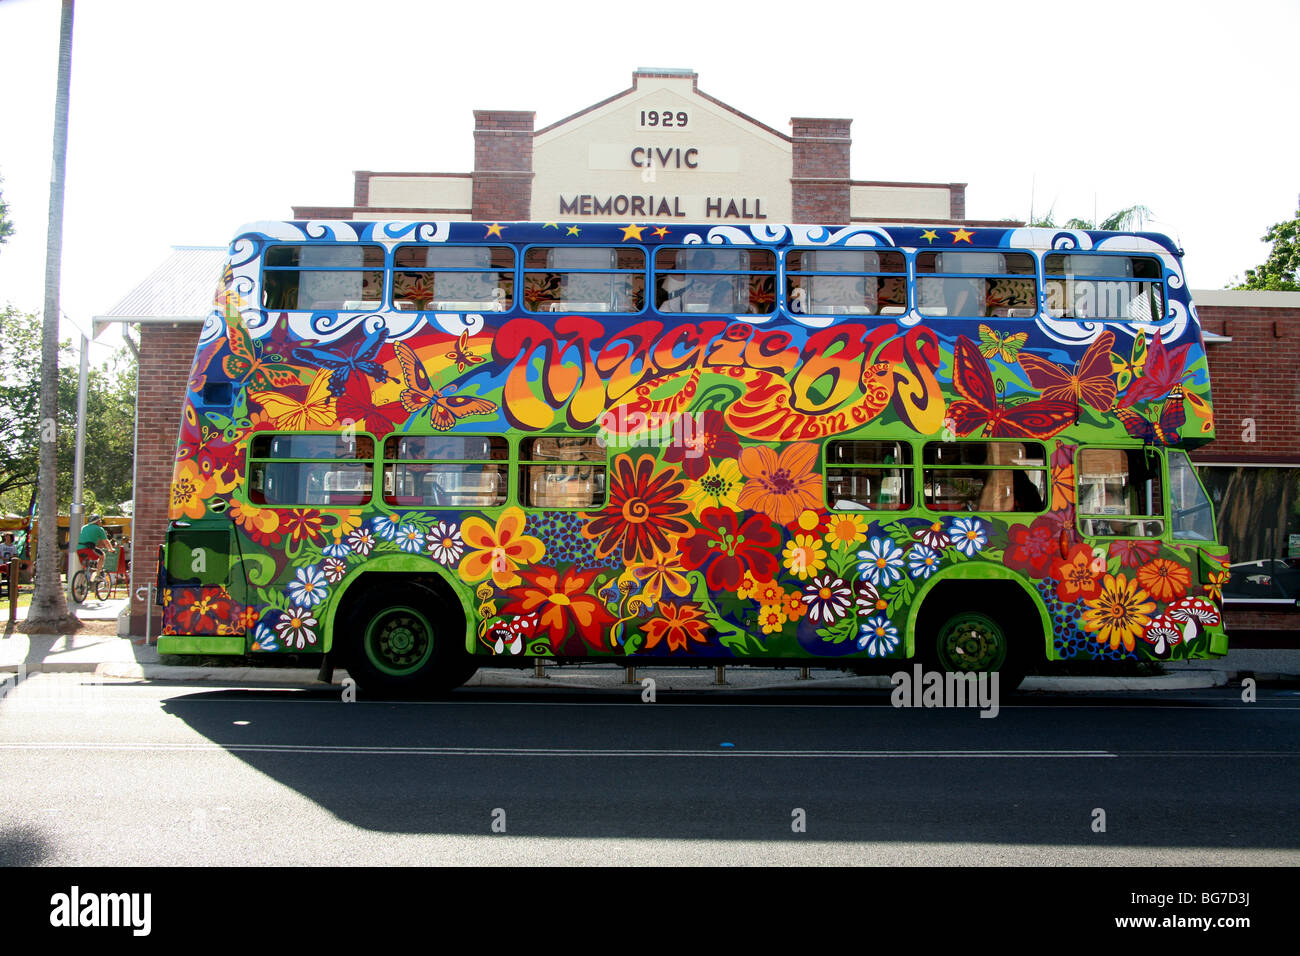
(427, 447)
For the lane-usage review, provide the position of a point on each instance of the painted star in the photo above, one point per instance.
(660, 232)
(632, 232)
(573, 231)
(493, 229)
(961, 235)
(929, 235)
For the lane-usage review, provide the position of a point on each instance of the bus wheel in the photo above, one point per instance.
(974, 641)
(404, 642)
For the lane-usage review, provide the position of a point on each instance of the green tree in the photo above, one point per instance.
(110, 421)
(6, 224)
(1281, 271)
(1124, 219)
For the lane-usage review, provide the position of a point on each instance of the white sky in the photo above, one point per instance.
(189, 119)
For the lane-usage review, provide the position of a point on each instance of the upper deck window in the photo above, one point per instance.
(1098, 286)
(453, 278)
(846, 282)
(310, 276)
(719, 280)
(976, 284)
(584, 279)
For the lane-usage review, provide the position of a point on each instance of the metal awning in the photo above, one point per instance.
(181, 289)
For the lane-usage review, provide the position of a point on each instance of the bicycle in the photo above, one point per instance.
(93, 577)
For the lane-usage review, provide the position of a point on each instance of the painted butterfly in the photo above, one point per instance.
(1164, 430)
(342, 366)
(313, 411)
(444, 408)
(980, 407)
(231, 425)
(1125, 370)
(1090, 381)
(997, 343)
(248, 364)
(461, 355)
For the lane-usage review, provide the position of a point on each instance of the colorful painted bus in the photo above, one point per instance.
(427, 447)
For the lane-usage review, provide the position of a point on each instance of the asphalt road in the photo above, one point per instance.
(153, 774)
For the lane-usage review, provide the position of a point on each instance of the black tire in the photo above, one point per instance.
(103, 586)
(977, 640)
(405, 641)
(78, 588)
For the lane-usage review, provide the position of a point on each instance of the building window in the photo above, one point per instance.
(584, 279)
(1107, 287)
(868, 476)
(987, 284)
(453, 278)
(1257, 512)
(445, 471)
(996, 476)
(723, 281)
(1119, 493)
(562, 472)
(320, 276)
(845, 282)
(330, 470)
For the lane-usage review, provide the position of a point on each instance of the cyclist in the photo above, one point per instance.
(94, 542)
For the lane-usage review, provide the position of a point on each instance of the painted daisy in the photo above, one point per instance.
(309, 587)
(877, 636)
(881, 562)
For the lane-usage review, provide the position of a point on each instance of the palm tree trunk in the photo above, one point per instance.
(49, 609)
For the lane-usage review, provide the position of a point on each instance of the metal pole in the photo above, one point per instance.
(76, 518)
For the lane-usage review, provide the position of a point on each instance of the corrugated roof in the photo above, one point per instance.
(179, 290)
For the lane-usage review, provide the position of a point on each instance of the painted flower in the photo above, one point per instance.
(644, 509)
(662, 571)
(699, 438)
(295, 628)
(562, 604)
(1119, 614)
(780, 486)
(769, 592)
(265, 637)
(877, 636)
(678, 625)
(846, 532)
(1164, 580)
(499, 551)
(933, 535)
(725, 552)
(747, 586)
(339, 549)
(262, 525)
(794, 606)
(771, 618)
(303, 524)
(247, 620)
(828, 598)
(922, 561)
(334, 569)
(1214, 588)
(445, 543)
(202, 610)
(718, 487)
(1077, 575)
(189, 488)
(348, 520)
(309, 588)
(805, 556)
(362, 541)
(969, 535)
(1032, 548)
(868, 599)
(881, 562)
(1133, 554)
(410, 538)
(386, 526)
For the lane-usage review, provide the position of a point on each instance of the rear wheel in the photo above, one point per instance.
(78, 588)
(406, 641)
(975, 641)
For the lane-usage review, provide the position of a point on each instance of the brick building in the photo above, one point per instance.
(665, 150)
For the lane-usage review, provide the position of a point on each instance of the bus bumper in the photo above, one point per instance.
(189, 644)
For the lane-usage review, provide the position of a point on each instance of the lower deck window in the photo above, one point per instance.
(868, 475)
(443, 471)
(330, 470)
(994, 476)
(562, 472)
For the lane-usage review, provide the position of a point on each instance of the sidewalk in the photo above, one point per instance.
(123, 658)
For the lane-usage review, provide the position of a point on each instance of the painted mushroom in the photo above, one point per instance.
(1195, 613)
(1162, 634)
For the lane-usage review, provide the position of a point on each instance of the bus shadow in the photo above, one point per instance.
(772, 766)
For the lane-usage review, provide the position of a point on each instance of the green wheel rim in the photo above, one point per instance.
(399, 641)
(972, 642)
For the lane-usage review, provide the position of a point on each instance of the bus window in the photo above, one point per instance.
(584, 279)
(995, 476)
(1000, 284)
(1108, 287)
(1192, 516)
(725, 281)
(323, 276)
(868, 476)
(1119, 492)
(330, 470)
(445, 471)
(453, 278)
(846, 282)
(562, 472)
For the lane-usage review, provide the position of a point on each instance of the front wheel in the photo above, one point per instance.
(103, 586)
(973, 641)
(406, 641)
